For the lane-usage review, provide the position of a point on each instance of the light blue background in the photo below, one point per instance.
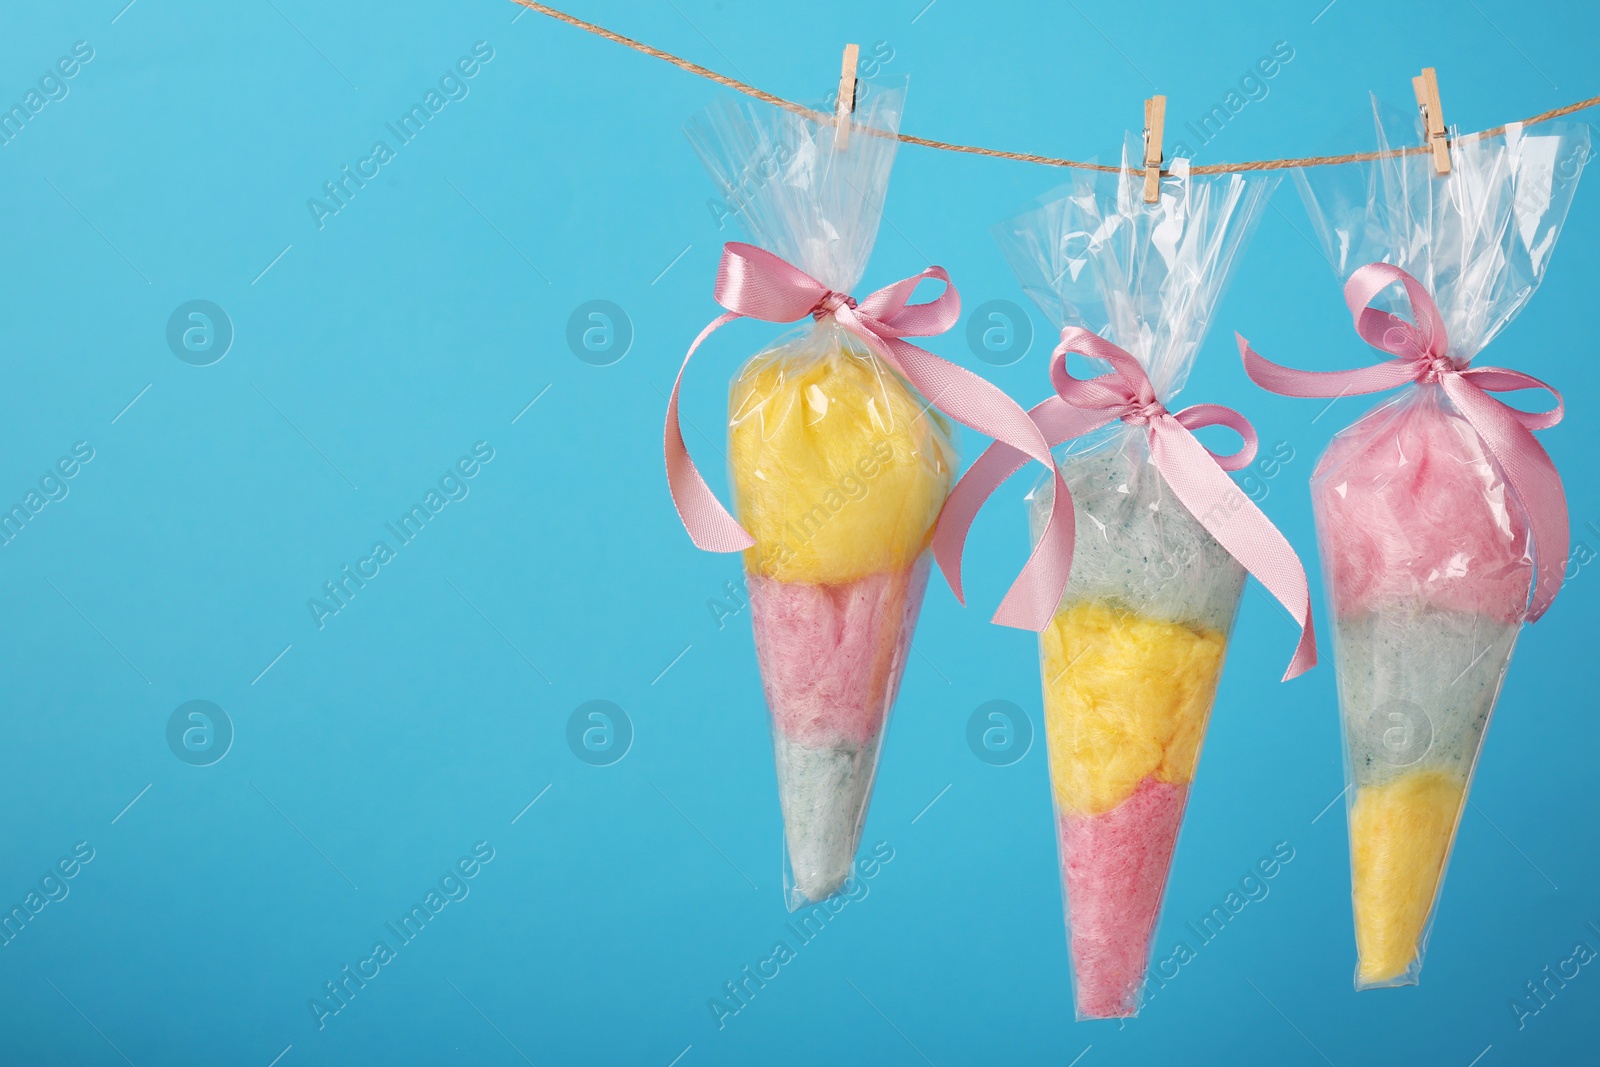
(427, 714)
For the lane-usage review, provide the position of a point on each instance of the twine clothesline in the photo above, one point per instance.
(1024, 157)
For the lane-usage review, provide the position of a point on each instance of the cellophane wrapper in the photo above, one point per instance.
(838, 467)
(1425, 549)
(1131, 660)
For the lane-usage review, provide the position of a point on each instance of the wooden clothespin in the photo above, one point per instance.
(1155, 120)
(1426, 86)
(846, 105)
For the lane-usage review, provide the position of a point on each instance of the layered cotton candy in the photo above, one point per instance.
(1428, 565)
(1130, 665)
(839, 472)
(1417, 687)
(831, 659)
(1413, 511)
(1114, 866)
(839, 467)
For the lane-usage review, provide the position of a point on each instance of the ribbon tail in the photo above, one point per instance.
(1287, 381)
(1239, 526)
(1532, 476)
(1032, 600)
(1058, 421)
(968, 398)
(977, 403)
(710, 526)
(998, 462)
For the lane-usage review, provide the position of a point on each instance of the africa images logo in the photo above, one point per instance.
(452, 887)
(453, 486)
(453, 87)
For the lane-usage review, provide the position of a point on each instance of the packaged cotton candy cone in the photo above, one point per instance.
(839, 457)
(839, 472)
(1131, 659)
(1421, 653)
(1130, 666)
(1438, 513)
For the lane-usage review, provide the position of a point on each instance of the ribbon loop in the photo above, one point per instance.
(1195, 473)
(890, 306)
(1421, 351)
(1200, 416)
(754, 283)
(1413, 340)
(1126, 391)
(1500, 380)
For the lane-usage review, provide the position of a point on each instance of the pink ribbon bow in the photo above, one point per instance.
(1422, 349)
(754, 283)
(1195, 473)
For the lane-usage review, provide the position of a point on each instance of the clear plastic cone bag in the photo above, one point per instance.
(1425, 548)
(1131, 660)
(1130, 665)
(838, 468)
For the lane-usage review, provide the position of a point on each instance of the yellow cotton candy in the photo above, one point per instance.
(837, 469)
(1124, 698)
(1399, 836)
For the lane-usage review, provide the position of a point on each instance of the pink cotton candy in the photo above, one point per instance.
(1412, 513)
(831, 655)
(1115, 869)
